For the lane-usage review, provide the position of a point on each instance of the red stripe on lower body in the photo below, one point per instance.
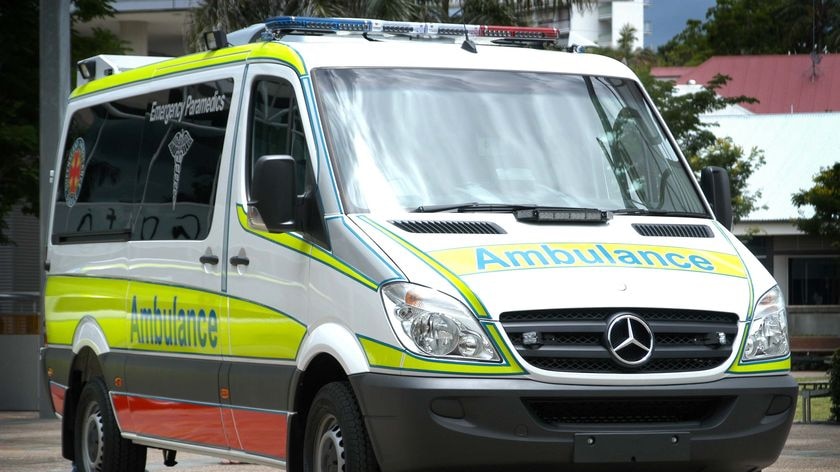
(58, 393)
(122, 411)
(262, 432)
(188, 422)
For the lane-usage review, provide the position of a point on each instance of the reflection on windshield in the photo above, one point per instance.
(404, 138)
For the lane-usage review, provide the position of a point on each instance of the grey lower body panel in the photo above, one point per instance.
(441, 424)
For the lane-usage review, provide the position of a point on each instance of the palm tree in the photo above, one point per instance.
(230, 15)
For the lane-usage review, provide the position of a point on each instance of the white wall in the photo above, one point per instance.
(632, 12)
(586, 22)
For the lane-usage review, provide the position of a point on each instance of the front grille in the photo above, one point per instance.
(608, 366)
(573, 340)
(557, 412)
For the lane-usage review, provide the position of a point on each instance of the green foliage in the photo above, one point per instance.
(682, 112)
(19, 22)
(18, 109)
(824, 196)
(87, 10)
(626, 39)
(834, 386)
(101, 42)
(688, 48)
(231, 16)
(724, 153)
(699, 144)
(735, 27)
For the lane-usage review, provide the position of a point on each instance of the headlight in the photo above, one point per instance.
(431, 323)
(768, 334)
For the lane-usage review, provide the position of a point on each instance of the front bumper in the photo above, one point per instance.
(440, 424)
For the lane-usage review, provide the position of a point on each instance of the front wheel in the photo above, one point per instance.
(98, 444)
(336, 439)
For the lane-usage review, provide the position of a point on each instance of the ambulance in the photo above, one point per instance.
(358, 245)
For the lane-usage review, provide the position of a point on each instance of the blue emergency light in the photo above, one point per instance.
(312, 25)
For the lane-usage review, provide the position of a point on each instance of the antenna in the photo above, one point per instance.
(815, 55)
(468, 44)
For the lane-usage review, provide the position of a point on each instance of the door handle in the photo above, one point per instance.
(239, 260)
(209, 259)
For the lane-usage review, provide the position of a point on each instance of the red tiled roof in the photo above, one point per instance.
(781, 83)
(667, 72)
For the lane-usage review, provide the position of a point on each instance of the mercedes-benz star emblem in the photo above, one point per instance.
(629, 339)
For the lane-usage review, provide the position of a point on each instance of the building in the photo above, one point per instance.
(150, 27)
(781, 83)
(807, 268)
(795, 123)
(600, 26)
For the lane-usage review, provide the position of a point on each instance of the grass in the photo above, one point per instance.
(820, 407)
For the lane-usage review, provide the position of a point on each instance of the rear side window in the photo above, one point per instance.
(98, 174)
(144, 168)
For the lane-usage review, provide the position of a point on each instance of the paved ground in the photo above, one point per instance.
(29, 444)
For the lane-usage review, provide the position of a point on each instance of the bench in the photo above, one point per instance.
(808, 390)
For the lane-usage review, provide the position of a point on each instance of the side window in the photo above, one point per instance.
(179, 161)
(143, 168)
(98, 173)
(277, 127)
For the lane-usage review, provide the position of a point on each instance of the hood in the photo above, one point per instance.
(497, 264)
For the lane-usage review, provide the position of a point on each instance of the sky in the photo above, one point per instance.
(668, 17)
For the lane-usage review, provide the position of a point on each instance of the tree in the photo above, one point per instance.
(626, 39)
(735, 27)
(724, 153)
(19, 116)
(698, 143)
(232, 15)
(688, 48)
(18, 109)
(824, 196)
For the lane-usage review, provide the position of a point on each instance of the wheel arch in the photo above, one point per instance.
(322, 369)
(85, 366)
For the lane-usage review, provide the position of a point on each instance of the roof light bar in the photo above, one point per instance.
(516, 32)
(311, 24)
(301, 24)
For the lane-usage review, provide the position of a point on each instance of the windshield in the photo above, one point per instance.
(403, 139)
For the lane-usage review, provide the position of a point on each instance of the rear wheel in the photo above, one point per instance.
(98, 444)
(336, 439)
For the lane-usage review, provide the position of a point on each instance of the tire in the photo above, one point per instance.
(335, 439)
(97, 444)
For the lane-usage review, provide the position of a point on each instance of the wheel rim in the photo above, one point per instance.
(329, 446)
(93, 438)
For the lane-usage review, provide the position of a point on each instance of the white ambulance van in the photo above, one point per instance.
(359, 245)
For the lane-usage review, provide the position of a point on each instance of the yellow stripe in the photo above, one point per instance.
(444, 271)
(261, 332)
(200, 60)
(389, 357)
(315, 252)
(771, 366)
(485, 259)
(67, 299)
(242, 328)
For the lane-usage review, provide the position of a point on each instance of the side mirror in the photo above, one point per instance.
(273, 193)
(714, 181)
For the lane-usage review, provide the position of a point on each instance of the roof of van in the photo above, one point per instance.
(307, 53)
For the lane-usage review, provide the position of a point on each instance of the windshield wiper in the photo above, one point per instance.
(530, 213)
(646, 212)
(471, 206)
